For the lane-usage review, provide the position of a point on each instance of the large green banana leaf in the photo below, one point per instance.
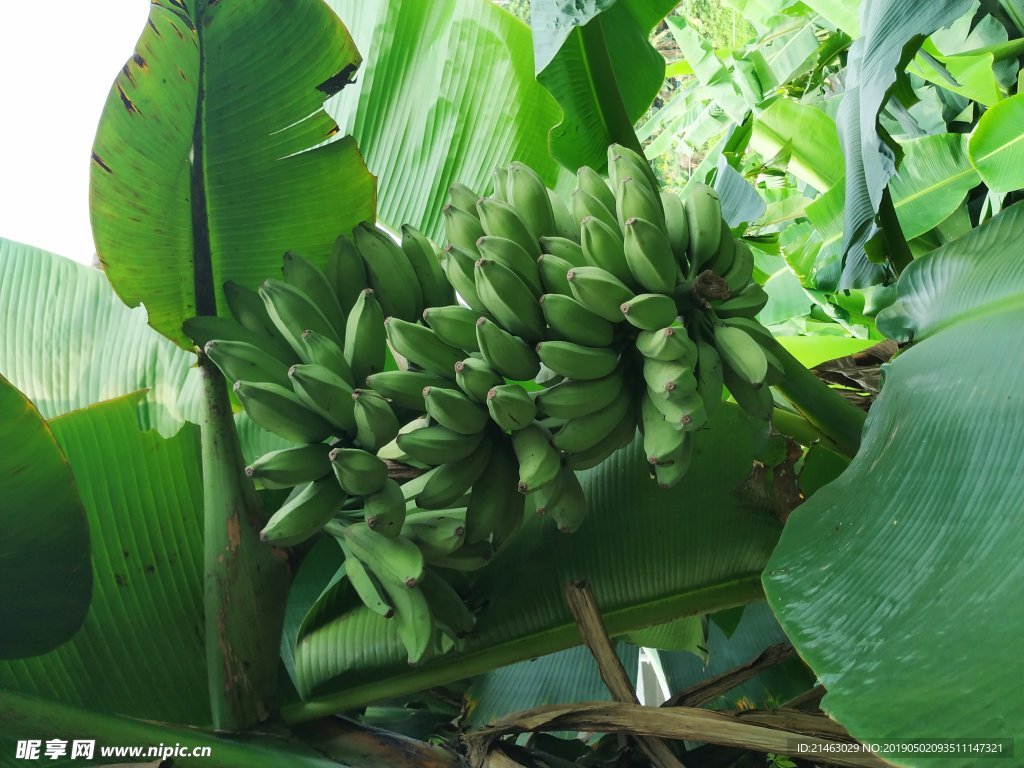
(446, 93)
(932, 181)
(888, 27)
(67, 341)
(202, 170)
(997, 145)
(45, 579)
(650, 556)
(140, 650)
(902, 583)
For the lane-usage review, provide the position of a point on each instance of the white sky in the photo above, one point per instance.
(57, 62)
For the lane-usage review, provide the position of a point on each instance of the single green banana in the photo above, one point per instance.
(458, 266)
(469, 557)
(367, 586)
(384, 511)
(511, 407)
(365, 346)
(280, 411)
(593, 184)
(599, 291)
(553, 272)
(309, 279)
(346, 272)
(756, 400)
(376, 423)
(741, 271)
(509, 300)
(359, 473)
(758, 332)
(564, 248)
(461, 228)
(583, 433)
(634, 199)
(565, 225)
(539, 460)
(446, 606)
(621, 436)
(414, 621)
(438, 445)
(320, 350)
(389, 272)
(571, 399)
(650, 311)
(455, 410)
(603, 247)
(494, 509)
(289, 467)
(463, 198)
(624, 162)
(208, 328)
(676, 226)
(248, 309)
(704, 224)
(475, 378)
(426, 263)
(709, 376)
(405, 388)
(448, 483)
(569, 508)
(723, 258)
(741, 354)
(293, 312)
(576, 361)
(421, 346)
(509, 355)
(674, 468)
(585, 205)
(671, 343)
(682, 408)
(499, 185)
(396, 560)
(661, 438)
(649, 256)
(436, 533)
(512, 255)
(746, 304)
(304, 513)
(529, 196)
(455, 325)
(669, 375)
(501, 219)
(325, 393)
(240, 361)
(571, 321)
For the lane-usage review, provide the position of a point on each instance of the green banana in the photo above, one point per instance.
(583, 433)
(308, 278)
(501, 219)
(510, 407)
(512, 255)
(320, 350)
(747, 303)
(396, 560)
(455, 410)
(661, 438)
(650, 311)
(390, 273)
(293, 312)
(367, 586)
(475, 378)
(346, 272)
(208, 328)
(384, 511)
(709, 376)
(457, 265)
(446, 606)
(683, 408)
(529, 196)
(569, 508)
(359, 473)
(499, 185)
(591, 182)
(576, 361)
(405, 388)
(415, 623)
(280, 411)
(741, 271)
(649, 256)
(674, 468)
(463, 198)
(635, 199)
(671, 343)
(603, 247)
(585, 206)
(723, 258)
(448, 483)
(438, 445)
(756, 400)
(539, 461)
(669, 376)
(624, 162)
(239, 361)
(599, 291)
(325, 393)
(621, 436)
(365, 346)
(553, 272)
(304, 513)
(436, 533)
(495, 510)
(564, 248)
(421, 346)
(376, 423)
(704, 223)
(455, 325)
(425, 262)
(248, 309)
(468, 557)
(676, 226)
(507, 354)
(565, 225)
(572, 399)
(461, 228)
(289, 467)
(509, 300)
(741, 354)
(571, 321)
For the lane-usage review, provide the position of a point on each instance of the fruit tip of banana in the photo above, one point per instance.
(333, 454)
(236, 386)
